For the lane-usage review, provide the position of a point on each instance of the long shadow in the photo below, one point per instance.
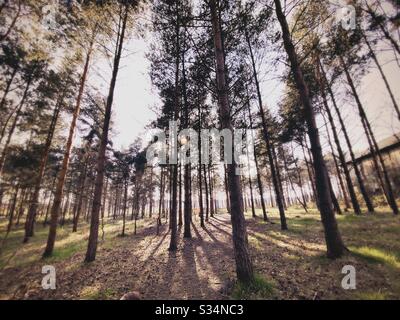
(197, 288)
(211, 235)
(227, 220)
(158, 245)
(199, 237)
(220, 229)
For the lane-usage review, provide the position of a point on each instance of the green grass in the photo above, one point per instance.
(95, 293)
(370, 295)
(259, 288)
(375, 255)
(16, 254)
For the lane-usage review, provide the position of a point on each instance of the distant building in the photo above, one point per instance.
(390, 150)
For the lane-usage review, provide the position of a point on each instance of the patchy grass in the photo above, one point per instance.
(294, 260)
(375, 255)
(370, 296)
(16, 254)
(259, 288)
(95, 293)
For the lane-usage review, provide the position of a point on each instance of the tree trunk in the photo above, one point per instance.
(64, 167)
(13, 22)
(6, 91)
(32, 211)
(200, 184)
(12, 210)
(14, 125)
(339, 174)
(259, 182)
(274, 174)
(228, 205)
(124, 210)
(174, 180)
(363, 190)
(180, 220)
(389, 89)
(350, 187)
(253, 210)
(206, 190)
(387, 185)
(82, 183)
(244, 268)
(335, 246)
(101, 158)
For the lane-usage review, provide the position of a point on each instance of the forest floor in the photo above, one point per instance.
(293, 262)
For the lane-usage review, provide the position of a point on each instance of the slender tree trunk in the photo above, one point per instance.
(385, 80)
(303, 203)
(103, 207)
(259, 182)
(32, 211)
(180, 221)
(206, 190)
(160, 200)
(124, 210)
(101, 158)
(382, 28)
(387, 184)
(244, 268)
(187, 205)
(211, 189)
(228, 205)
(64, 167)
(174, 180)
(363, 189)
(24, 197)
(350, 187)
(298, 170)
(200, 184)
(274, 174)
(253, 210)
(82, 184)
(66, 204)
(334, 243)
(12, 210)
(13, 22)
(339, 174)
(6, 91)
(14, 125)
(310, 175)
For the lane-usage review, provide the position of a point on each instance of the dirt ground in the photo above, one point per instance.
(203, 267)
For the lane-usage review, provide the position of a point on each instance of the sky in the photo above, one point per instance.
(135, 98)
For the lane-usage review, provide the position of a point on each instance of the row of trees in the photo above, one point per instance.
(208, 59)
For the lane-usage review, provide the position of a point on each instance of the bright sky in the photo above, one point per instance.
(134, 98)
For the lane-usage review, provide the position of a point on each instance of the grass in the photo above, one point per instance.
(95, 293)
(259, 288)
(16, 254)
(372, 238)
(375, 255)
(373, 295)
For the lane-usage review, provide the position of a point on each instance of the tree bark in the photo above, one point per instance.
(14, 125)
(64, 167)
(274, 174)
(350, 187)
(32, 211)
(375, 151)
(101, 158)
(334, 243)
(363, 190)
(244, 268)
